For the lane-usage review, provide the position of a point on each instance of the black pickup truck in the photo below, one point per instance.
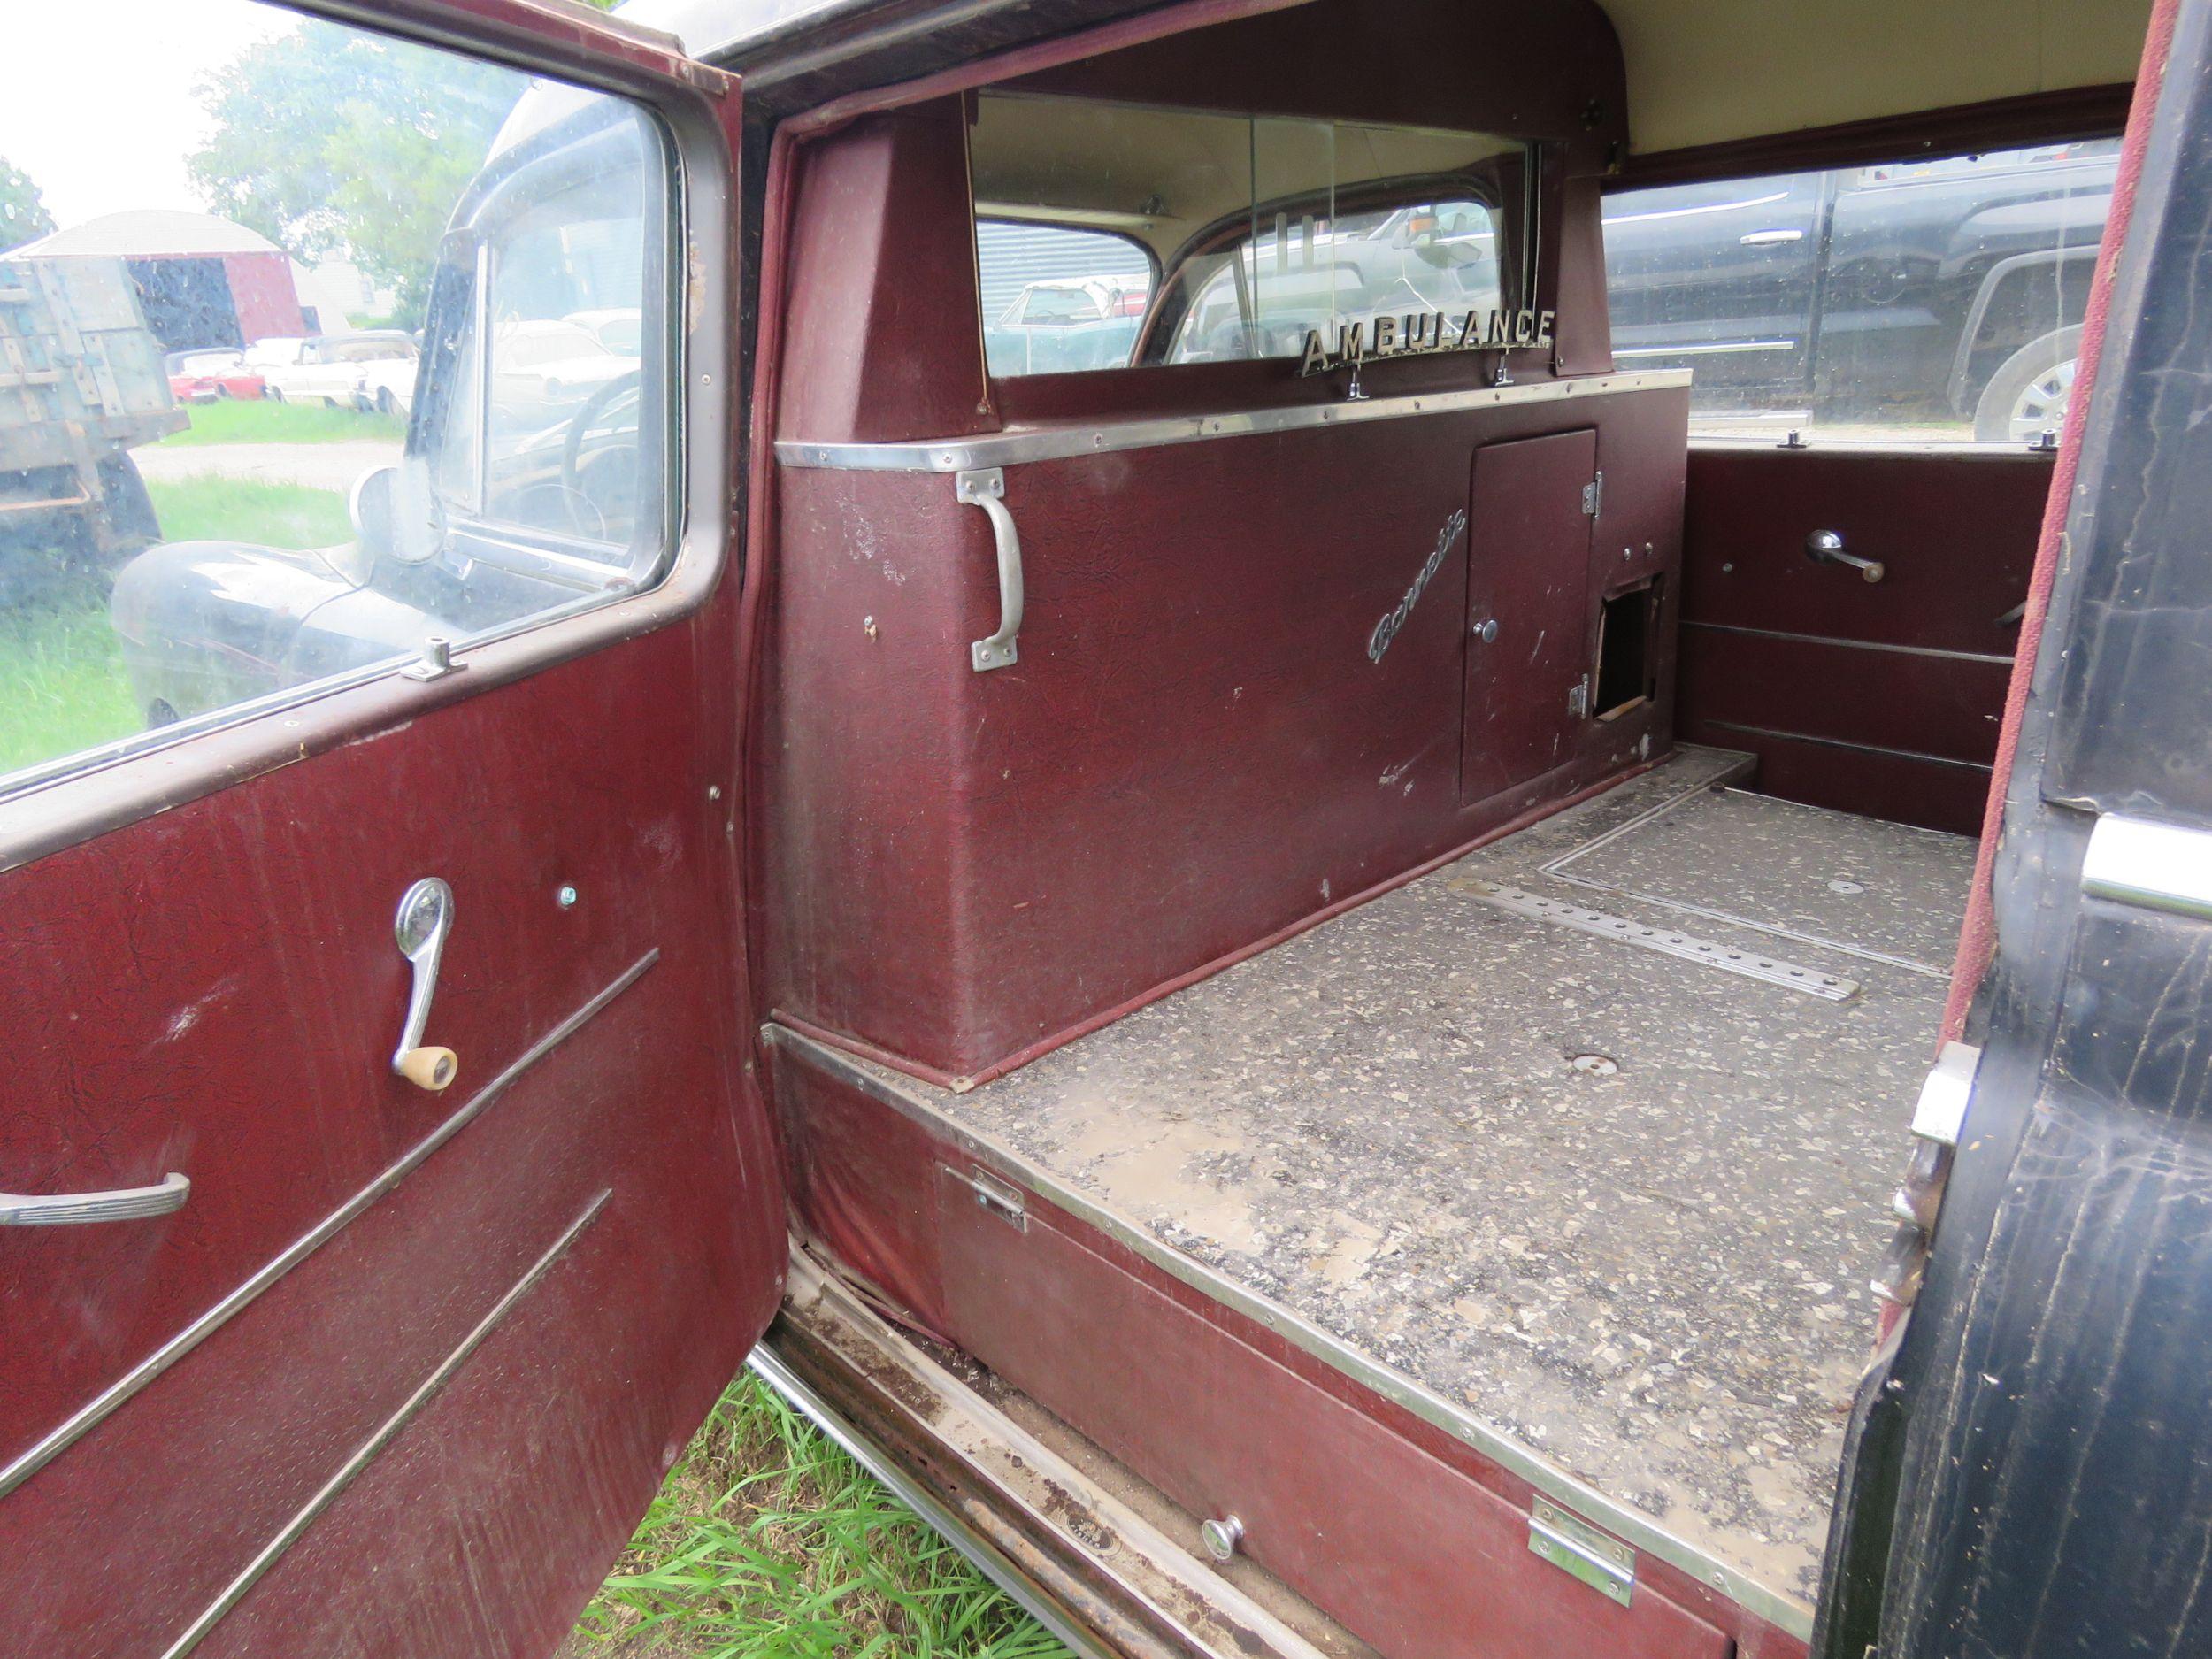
(1917, 291)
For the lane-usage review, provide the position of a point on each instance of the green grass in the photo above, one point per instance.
(257, 421)
(769, 1541)
(61, 679)
(205, 509)
(62, 684)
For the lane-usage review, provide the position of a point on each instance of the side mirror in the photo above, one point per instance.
(395, 513)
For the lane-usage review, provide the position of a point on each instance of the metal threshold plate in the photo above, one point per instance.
(1749, 963)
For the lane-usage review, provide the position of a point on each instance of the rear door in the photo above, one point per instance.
(315, 1337)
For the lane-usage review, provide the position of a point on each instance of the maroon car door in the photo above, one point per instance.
(298, 1355)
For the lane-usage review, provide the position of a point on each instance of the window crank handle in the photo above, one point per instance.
(426, 917)
(1825, 547)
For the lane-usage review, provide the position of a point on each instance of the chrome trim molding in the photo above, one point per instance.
(2166, 867)
(365, 1453)
(1055, 444)
(946, 1523)
(1991, 657)
(102, 1404)
(908, 1098)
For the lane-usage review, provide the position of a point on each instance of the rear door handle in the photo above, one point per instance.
(1770, 238)
(69, 1210)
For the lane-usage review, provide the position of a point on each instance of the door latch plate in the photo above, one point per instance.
(1605, 1564)
(1002, 1199)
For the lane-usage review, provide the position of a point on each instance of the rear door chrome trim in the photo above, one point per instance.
(97, 1410)
(383, 1435)
(1056, 443)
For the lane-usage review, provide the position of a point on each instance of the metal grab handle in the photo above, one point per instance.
(985, 488)
(71, 1209)
(426, 917)
(1825, 547)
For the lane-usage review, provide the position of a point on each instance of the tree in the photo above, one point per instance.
(23, 214)
(336, 143)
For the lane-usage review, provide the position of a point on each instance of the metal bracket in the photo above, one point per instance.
(985, 488)
(1605, 1564)
(1002, 1199)
(1594, 494)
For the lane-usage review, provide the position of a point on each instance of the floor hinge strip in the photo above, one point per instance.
(1749, 963)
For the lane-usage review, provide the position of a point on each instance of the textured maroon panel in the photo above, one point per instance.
(885, 327)
(1196, 748)
(1406, 1534)
(213, 988)
(1528, 562)
(220, 996)
(1957, 534)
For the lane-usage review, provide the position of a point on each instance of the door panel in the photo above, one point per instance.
(1528, 548)
(402, 1370)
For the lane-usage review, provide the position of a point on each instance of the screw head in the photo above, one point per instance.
(1221, 1536)
(565, 896)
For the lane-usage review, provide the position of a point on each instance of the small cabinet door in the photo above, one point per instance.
(1528, 621)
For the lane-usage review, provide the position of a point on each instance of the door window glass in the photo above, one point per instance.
(1271, 232)
(350, 343)
(1925, 301)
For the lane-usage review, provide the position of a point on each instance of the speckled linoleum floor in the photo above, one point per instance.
(1650, 1267)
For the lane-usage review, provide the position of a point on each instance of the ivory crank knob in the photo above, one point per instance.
(428, 1068)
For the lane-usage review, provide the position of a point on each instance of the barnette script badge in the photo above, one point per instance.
(1386, 630)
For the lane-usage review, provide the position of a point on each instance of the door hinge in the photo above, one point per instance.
(1578, 698)
(1605, 1565)
(1002, 1199)
(1594, 494)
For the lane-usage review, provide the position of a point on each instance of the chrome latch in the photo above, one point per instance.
(1936, 1124)
(1605, 1565)
(985, 488)
(1002, 1199)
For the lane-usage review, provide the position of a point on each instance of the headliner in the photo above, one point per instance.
(1700, 72)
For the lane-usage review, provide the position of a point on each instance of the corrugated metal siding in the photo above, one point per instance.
(1010, 256)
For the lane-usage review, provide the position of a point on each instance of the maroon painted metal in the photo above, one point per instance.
(219, 992)
(1531, 628)
(1881, 697)
(1196, 751)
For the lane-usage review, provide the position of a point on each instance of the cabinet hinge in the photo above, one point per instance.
(1594, 494)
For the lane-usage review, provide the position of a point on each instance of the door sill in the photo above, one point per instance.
(1082, 1561)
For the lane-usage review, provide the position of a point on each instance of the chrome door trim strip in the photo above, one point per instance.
(909, 1098)
(2164, 867)
(365, 1453)
(1055, 444)
(102, 1404)
(1992, 658)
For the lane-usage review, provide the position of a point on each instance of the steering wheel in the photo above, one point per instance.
(572, 490)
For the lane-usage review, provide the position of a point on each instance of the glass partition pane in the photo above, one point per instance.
(1267, 232)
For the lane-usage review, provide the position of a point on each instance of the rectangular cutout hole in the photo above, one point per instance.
(1625, 626)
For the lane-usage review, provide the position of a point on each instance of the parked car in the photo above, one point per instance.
(1064, 323)
(210, 376)
(1951, 288)
(359, 371)
(553, 364)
